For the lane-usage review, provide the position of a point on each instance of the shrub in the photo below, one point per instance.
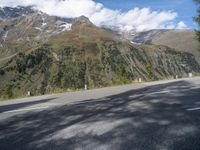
(7, 92)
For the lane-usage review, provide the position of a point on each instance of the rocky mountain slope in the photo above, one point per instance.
(23, 29)
(181, 40)
(52, 54)
(9, 12)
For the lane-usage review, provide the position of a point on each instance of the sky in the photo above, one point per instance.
(139, 15)
(186, 9)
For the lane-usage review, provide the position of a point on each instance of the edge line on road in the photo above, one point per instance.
(25, 109)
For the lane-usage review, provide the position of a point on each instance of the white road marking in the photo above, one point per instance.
(26, 109)
(192, 109)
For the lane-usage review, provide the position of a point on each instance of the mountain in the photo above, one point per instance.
(23, 29)
(46, 54)
(9, 12)
(181, 40)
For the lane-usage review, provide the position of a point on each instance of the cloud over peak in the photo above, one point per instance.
(138, 19)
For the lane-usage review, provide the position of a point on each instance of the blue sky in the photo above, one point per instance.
(186, 9)
(139, 15)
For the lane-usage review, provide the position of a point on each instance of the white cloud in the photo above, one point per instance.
(181, 25)
(139, 19)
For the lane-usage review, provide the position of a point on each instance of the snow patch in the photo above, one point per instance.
(43, 22)
(38, 28)
(135, 43)
(66, 26)
(40, 12)
(5, 36)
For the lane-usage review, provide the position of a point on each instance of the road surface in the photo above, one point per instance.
(162, 115)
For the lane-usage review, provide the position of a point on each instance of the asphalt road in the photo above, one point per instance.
(150, 116)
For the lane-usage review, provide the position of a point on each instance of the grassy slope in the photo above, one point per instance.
(186, 40)
(181, 40)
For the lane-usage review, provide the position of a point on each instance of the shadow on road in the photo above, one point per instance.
(148, 118)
